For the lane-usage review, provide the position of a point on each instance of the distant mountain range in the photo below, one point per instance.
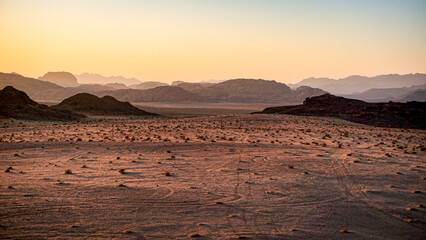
(391, 94)
(148, 85)
(91, 78)
(356, 84)
(158, 94)
(236, 90)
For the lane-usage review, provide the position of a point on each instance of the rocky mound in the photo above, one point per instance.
(64, 79)
(391, 114)
(17, 104)
(107, 105)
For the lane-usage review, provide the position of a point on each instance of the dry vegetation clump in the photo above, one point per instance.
(290, 166)
(122, 171)
(242, 237)
(194, 235)
(167, 174)
(68, 171)
(128, 231)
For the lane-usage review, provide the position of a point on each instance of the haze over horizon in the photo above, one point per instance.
(193, 41)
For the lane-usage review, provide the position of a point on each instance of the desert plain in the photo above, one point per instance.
(235, 176)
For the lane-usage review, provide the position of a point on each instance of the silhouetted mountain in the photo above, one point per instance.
(254, 90)
(148, 85)
(91, 78)
(158, 94)
(355, 84)
(174, 83)
(117, 85)
(94, 88)
(107, 105)
(192, 86)
(17, 104)
(391, 114)
(416, 95)
(64, 79)
(384, 94)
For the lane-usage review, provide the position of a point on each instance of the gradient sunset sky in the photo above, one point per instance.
(196, 40)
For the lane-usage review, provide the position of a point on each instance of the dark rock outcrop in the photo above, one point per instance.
(391, 114)
(17, 104)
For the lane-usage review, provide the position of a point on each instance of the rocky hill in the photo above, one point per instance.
(107, 105)
(17, 104)
(64, 79)
(391, 114)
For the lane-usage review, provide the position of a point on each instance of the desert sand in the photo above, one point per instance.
(212, 177)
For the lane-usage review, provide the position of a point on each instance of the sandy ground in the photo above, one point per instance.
(231, 177)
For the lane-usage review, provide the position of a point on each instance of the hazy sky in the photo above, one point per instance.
(195, 40)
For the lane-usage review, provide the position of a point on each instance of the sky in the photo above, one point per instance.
(198, 40)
